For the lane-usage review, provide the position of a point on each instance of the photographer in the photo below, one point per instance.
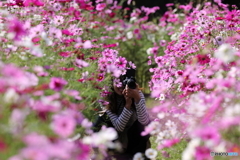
(128, 115)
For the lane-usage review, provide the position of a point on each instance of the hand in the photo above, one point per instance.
(132, 93)
(128, 101)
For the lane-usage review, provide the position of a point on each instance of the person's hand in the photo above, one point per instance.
(132, 93)
(128, 101)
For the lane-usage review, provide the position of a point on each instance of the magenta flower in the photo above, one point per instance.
(208, 134)
(203, 59)
(80, 63)
(57, 84)
(100, 77)
(85, 151)
(100, 6)
(168, 143)
(16, 27)
(34, 2)
(121, 62)
(63, 125)
(202, 153)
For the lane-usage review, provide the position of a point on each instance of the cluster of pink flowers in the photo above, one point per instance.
(196, 80)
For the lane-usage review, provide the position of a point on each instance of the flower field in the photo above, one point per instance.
(58, 58)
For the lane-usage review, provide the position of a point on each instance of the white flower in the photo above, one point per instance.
(129, 35)
(2, 33)
(170, 124)
(151, 153)
(225, 53)
(37, 17)
(151, 37)
(103, 137)
(174, 36)
(232, 111)
(149, 51)
(138, 156)
(161, 115)
(133, 19)
(11, 96)
(188, 153)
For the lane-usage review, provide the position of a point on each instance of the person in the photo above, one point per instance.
(127, 113)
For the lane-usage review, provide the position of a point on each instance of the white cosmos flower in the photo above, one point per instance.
(151, 153)
(129, 35)
(188, 153)
(103, 137)
(149, 51)
(225, 53)
(11, 96)
(138, 156)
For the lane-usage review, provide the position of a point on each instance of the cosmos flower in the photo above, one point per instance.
(225, 52)
(138, 156)
(121, 62)
(100, 6)
(151, 153)
(16, 27)
(63, 125)
(57, 84)
(100, 77)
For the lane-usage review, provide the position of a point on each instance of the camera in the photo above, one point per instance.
(129, 79)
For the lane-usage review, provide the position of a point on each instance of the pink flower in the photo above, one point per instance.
(100, 77)
(16, 27)
(168, 143)
(85, 151)
(203, 59)
(38, 3)
(121, 62)
(80, 63)
(169, 4)
(117, 82)
(73, 93)
(208, 134)
(132, 65)
(55, 33)
(87, 44)
(34, 139)
(57, 20)
(67, 32)
(100, 6)
(162, 43)
(34, 2)
(63, 125)
(57, 84)
(202, 153)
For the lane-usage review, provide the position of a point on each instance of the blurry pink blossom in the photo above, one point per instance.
(73, 93)
(16, 27)
(87, 44)
(63, 125)
(121, 62)
(80, 63)
(169, 4)
(55, 33)
(132, 65)
(168, 143)
(35, 139)
(202, 153)
(57, 84)
(100, 6)
(33, 2)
